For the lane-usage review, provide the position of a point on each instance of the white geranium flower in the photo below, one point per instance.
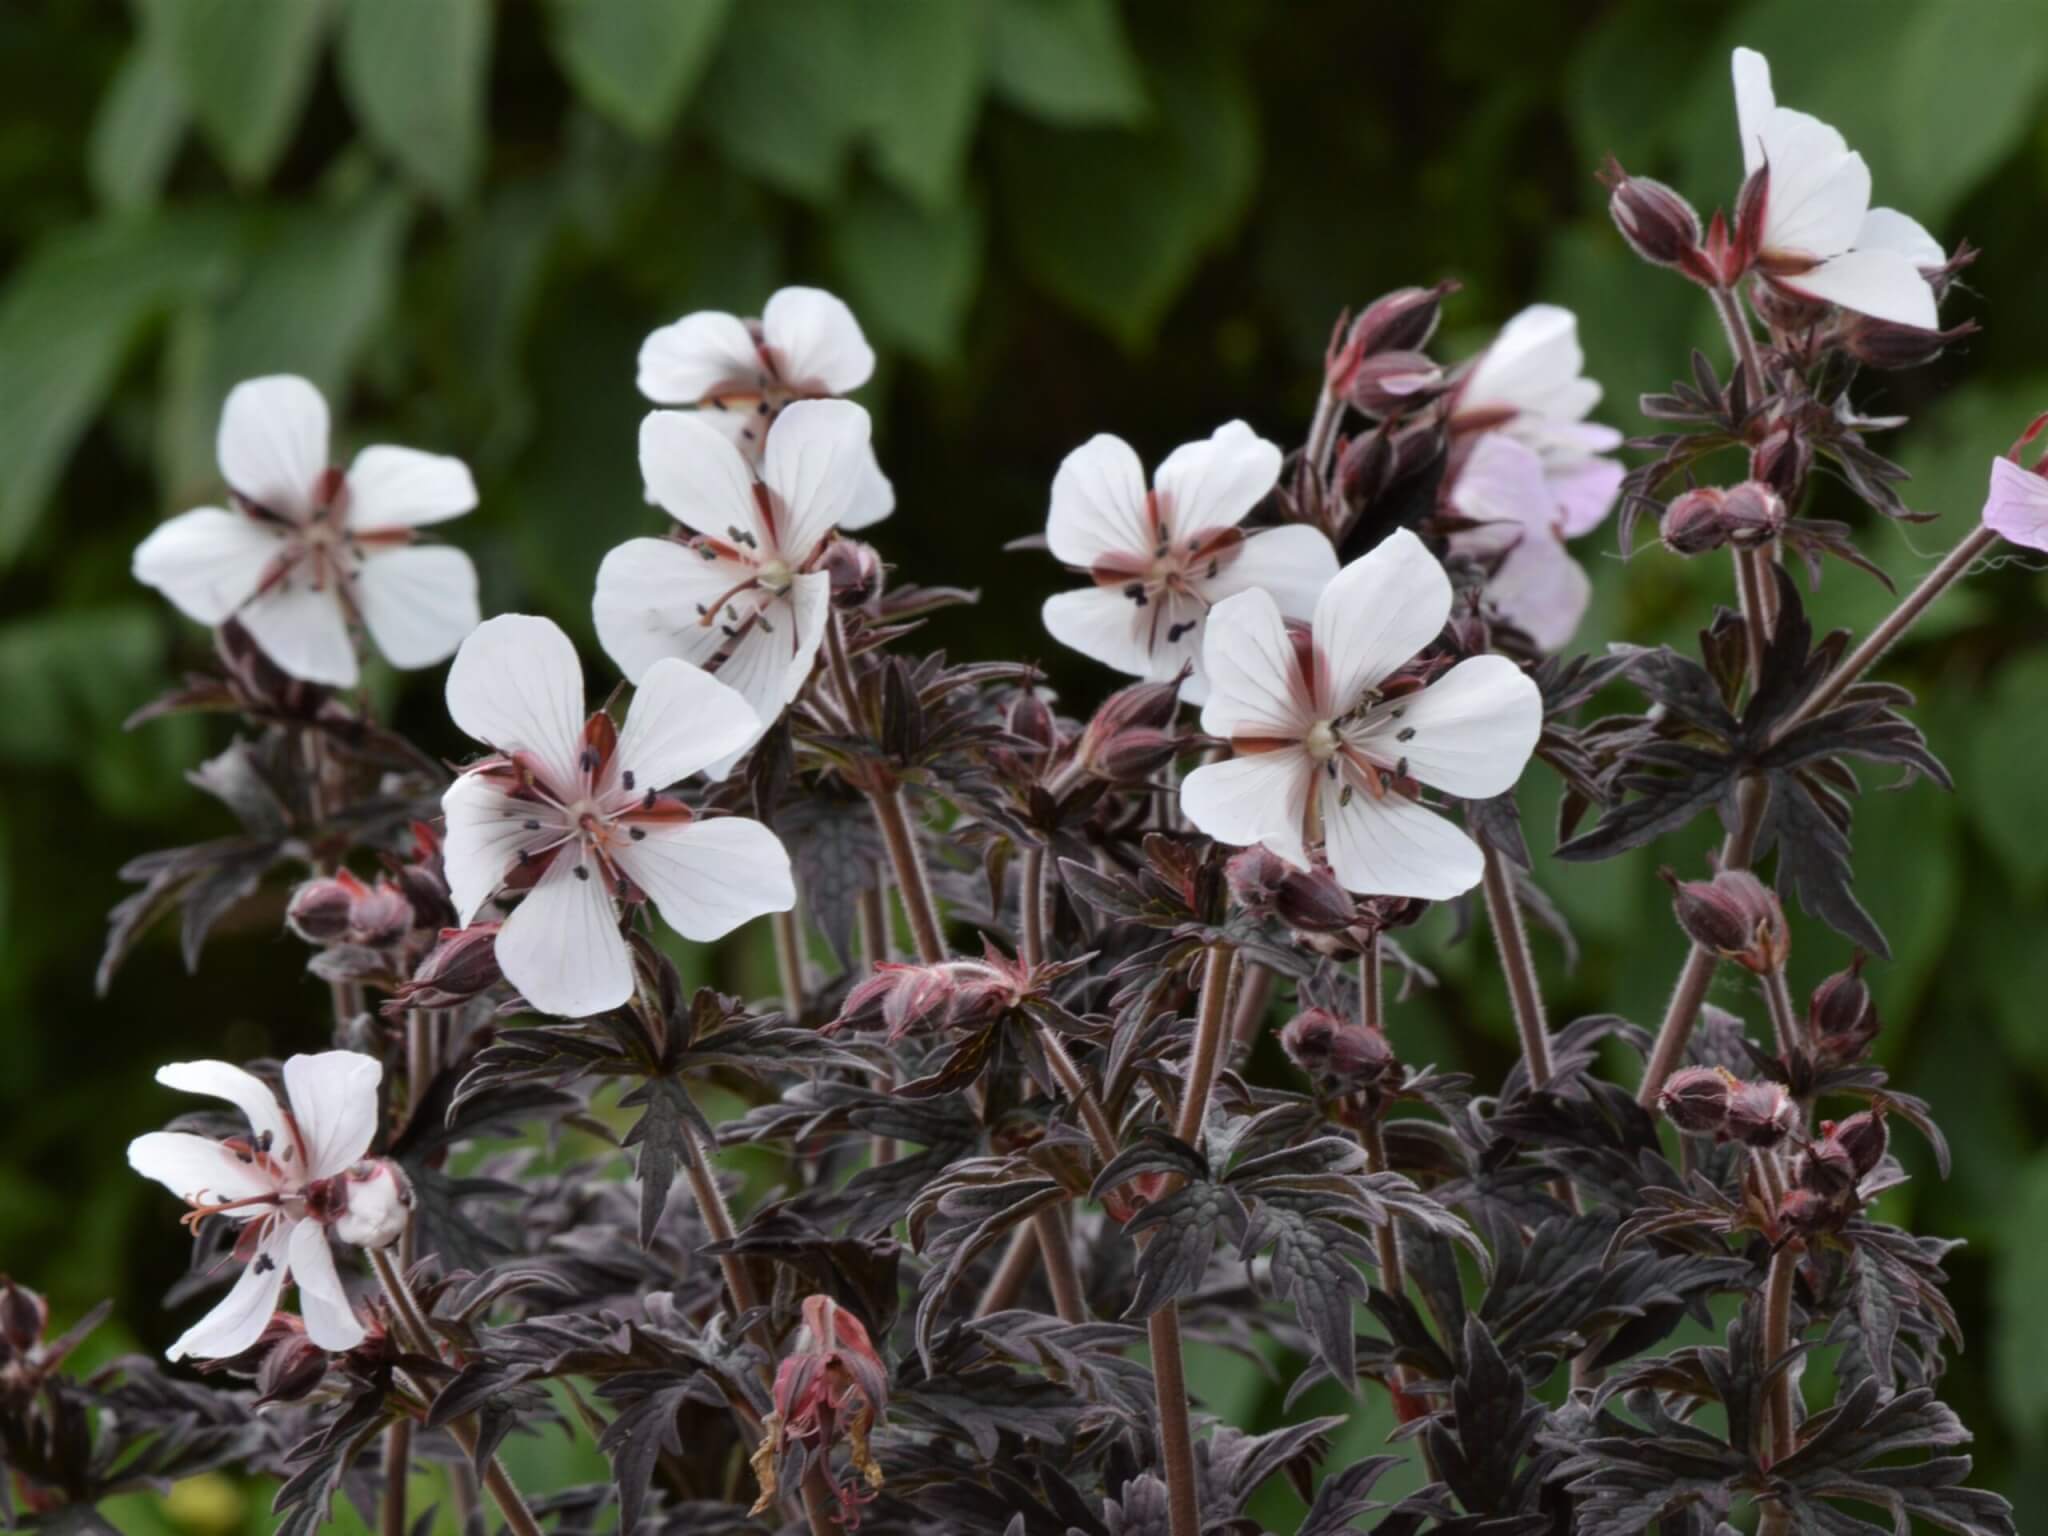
(741, 373)
(1325, 754)
(308, 549)
(297, 1175)
(746, 597)
(1531, 385)
(1537, 584)
(1821, 239)
(1162, 558)
(572, 813)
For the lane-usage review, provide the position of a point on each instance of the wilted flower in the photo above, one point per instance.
(309, 550)
(1815, 232)
(1734, 915)
(747, 596)
(296, 1176)
(831, 1383)
(572, 812)
(1162, 558)
(740, 373)
(1327, 754)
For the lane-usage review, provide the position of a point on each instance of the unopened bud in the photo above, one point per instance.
(1031, 719)
(380, 917)
(1826, 1168)
(292, 1367)
(319, 909)
(377, 1204)
(1392, 381)
(1864, 1137)
(1401, 321)
(1659, 225)
(1842, 1017)
(462, 964)
(23, 1316)
(1761, 1114)
(1340, 1056)
(1807, 1212)
(856, 572)
(1692, 523)
(1312, 901)
(1753, 514)
(1881, 344)
(1255, 877)
(1782, 461)
(1734, 916)
(1136, 754)
(1307, 1037)
(1695, 1099)
(1142, 706)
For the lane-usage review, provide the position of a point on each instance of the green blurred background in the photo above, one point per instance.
(1055, 217)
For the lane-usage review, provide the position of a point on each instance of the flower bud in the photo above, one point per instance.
(1255, 877)
(1782, 461)
(380, 916)
(292, 1366)
(1806, 1213)
(1313, 901)
(1881, 344)
(377, 1203)
(1401, 321)
(1339, 1056)
(1735, 916)
(1864, 1137)
(1692, 523)
(1307, 1038)
(1695, 1099)
(1752, 514)
(856, 572)
(319, 909)
(1141, 707)
(1659, 225)
(462, 964)
(1031, 719)
(1761, 1114)
(23, 1317)
(1842, 1018)
(1135, 754)
(1392, 381)
(1826, 1169)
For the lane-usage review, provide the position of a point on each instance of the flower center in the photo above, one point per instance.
(1322, 741)
(775, 575)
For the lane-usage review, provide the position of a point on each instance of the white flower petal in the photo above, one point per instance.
(708, 877)
(562, 948)
(1887, 229)
(1502, 485)
(699, 355)
(198, 1169)
(304, 630)
(1881, 284)
(1380, 611)
(517, 685)
(1585, 493)
(1293, 562)
(816, 342)
(1754, 103)
(1255, 797)
(1394, 847)
(770, 662)
(334, 1101)
(417, 601)
(1820, 188)
(1542, 589)
(816, 463)
(2017, 508)
(486, 830)
(242, 1315)
(1098, 505)
(680, 719)
(1103, 625)
(1210, 485)
(696, 474)
(404, 488)
(246, 1091)
(331, 1322)
(1533, 366)
(272, 445)
(1256, 690)
(875, 500)
(206, 562)
(648, 594)
(1470, 733)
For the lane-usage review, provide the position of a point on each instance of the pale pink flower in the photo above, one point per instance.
(747, 596)
(296, 1178)
(1821, 239)
(1162, 558)
(741, 373)
(1327, 754)
(1537, 584)
(572, 813)
(306, 551)
(2017, 508)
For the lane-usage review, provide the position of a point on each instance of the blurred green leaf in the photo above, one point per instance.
(246, 68)
(2005, 771)
(2022, 1280)
(1066, 62)
(414, 71)
(136, 132)
(789, 93)
(317, 282)
(636, 61)
(67, 321)
(1114, 224)
(911, 274)
(928, 62)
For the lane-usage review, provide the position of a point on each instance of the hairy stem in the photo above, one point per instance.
(419, 1338)
(1511, 939)
(789, 962)
(1176, 1434)
(717, 1218)
(1691, 990)
(1011, 1272)
(1207, 1051)
(1749, 587)
(1741, 339)
(1056, 1246)
(911, 880)
(1895, 624)
(1783, 1427)
(391, 1513)
(1031, 907)
(1254, 994)
(1785, 1024)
